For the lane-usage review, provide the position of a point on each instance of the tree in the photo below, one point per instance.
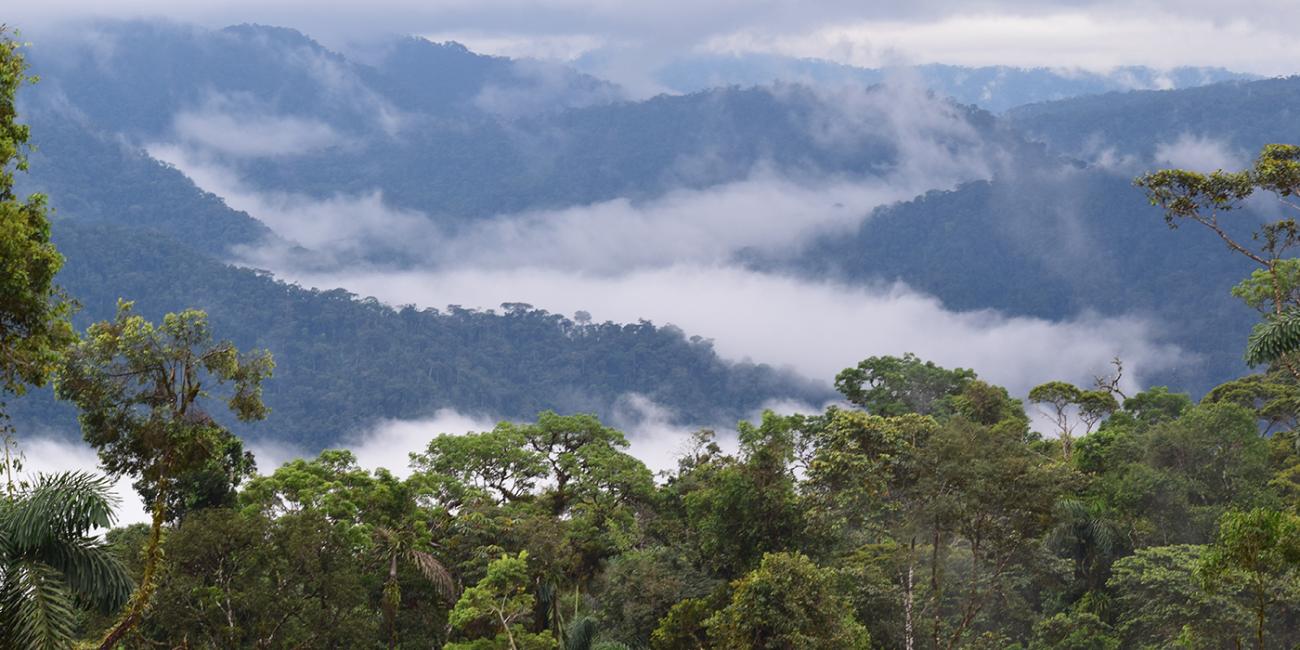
(142, 391)
(34, 324)
(1074, 630)
(492, 613)
(787, 603)
(405, 538)
(1065, 400)
(889, 386)
(49, 563)
(1262, 548)
(984, 495)
(1159, 601)
(1187, 196)
(737, 509)
(244, 580)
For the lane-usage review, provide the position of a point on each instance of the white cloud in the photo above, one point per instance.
(1199, 153)
(1250, 35)
(52, 453)
(252, 135)
(817, 328)
(935, 148)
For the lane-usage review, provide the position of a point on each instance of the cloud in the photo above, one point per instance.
(769, 211)
(1250, 35)
(671, 259)
(816, 328)
(1199, 153)
(249, 135)
(50, 453)
(339, 227)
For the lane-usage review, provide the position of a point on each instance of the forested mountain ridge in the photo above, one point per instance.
(993, 88)
(94, 176)
(1242, 115)
(346, 362)
(1053, 242)
(456, 163)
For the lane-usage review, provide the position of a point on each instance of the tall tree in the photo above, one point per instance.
(1262, 548)
(787, 602)
(142, 391)
(34, 323)
(1274, 288)
(894, 386)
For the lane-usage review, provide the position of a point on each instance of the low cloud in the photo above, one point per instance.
(1199, 153)
(816, 328)
(932, 144)
(50, 453)
(252, 135)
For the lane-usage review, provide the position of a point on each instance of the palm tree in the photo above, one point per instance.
(50, 565)
(403, 544)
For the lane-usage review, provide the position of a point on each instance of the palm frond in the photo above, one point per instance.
(435, 573)
(91, 570)
(59, 505)
(581, 635)
(1274, 338)
(38, 608)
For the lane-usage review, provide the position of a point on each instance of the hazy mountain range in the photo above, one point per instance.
(796, 226)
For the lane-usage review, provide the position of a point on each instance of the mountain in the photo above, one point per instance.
(345, 362)
(993, 88)
(143, 78)
(431, 132)
(635, 150)
(1240, 116)
(1054, 242)
(96, 177)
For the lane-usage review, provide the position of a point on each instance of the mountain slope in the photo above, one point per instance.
(1242, 115)
(1055, 243)
(343, 363)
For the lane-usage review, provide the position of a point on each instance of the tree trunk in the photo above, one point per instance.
(908, 629)
(144, 593)
(392, 607)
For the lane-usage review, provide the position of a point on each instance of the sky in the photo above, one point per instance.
(1253, 36)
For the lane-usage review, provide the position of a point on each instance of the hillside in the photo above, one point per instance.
(345, 362)
(1055, 243)
(1243, 115)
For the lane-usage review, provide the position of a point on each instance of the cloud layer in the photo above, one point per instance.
(1251, 35)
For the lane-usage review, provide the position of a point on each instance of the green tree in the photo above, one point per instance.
(1205, 199)
(1160, 601)
(491, 614)
(405, 538)
(1262, 548)
(243, 580)
(142, 391)
(787, 603)
(889, 386)
(1069, 402)
(1074, 630)
(34, 324)
(737, 509)
(49, 563)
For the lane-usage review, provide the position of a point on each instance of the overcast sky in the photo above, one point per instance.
(1246, 35)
